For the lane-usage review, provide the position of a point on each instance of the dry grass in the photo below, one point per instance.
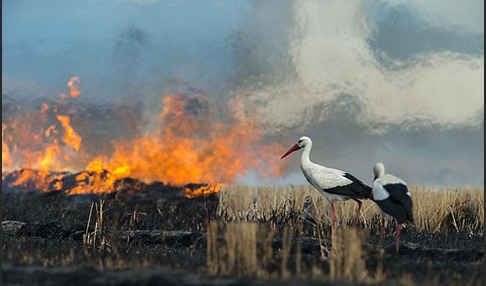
(246, 249)
(442, 210)
(346, 258)
(96, 238)
(435, 210)
(249, 218)
(242, 249)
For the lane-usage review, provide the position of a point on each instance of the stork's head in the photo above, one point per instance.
(303, 141)
(378, 170)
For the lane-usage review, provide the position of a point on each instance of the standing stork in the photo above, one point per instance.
(333, 184)
(392, 196)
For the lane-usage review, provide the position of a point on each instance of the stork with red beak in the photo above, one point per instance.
(333, 184)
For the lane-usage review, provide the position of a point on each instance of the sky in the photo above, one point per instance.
(46, 44)
(393, 81)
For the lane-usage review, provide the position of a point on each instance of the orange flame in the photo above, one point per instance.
(204, 190)
(6, 157)
(35, 179)
(186, 149)
(73, 86)
(189, 142)
(50, 130)
(44, 108)
(30, 139)
(70, 137)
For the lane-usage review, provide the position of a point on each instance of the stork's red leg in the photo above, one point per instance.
(359, 209)
(382, 235)
(333, 216)
(397, 237)
(333, 213)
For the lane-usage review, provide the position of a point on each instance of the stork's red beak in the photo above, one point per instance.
(292, 149)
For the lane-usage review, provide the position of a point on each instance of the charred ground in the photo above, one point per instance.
(156, 235)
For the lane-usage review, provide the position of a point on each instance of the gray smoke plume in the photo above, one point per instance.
(393, 81)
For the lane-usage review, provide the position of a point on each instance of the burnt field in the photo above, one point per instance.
(241, 235)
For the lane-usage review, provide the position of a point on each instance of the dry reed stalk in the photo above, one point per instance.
(96, 238)
(86, 236)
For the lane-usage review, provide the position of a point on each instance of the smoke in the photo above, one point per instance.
(393, 81)
(112, 45)
(332, 56)
(468, 18)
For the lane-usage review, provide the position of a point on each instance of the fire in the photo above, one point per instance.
(44, 108)
(93, 182)
(204, 190)
(70, 137)
(35, 179)
(183, 148)
(50, 130)
(31, 140)
(26, 143)
(73, 82)
(6, 157)
(49, 158)
(189, 141)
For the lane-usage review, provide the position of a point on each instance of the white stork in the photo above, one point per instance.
(392, 196)
(333, 184)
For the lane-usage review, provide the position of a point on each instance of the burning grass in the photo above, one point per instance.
(185, 139)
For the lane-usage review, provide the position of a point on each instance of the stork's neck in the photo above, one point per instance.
(305, 157)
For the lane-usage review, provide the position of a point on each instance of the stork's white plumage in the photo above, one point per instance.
(333, 184)
(391, 194)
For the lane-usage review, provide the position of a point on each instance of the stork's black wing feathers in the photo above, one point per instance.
(394, 209)
(365, 190)
(398, 195)
(356, 189)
